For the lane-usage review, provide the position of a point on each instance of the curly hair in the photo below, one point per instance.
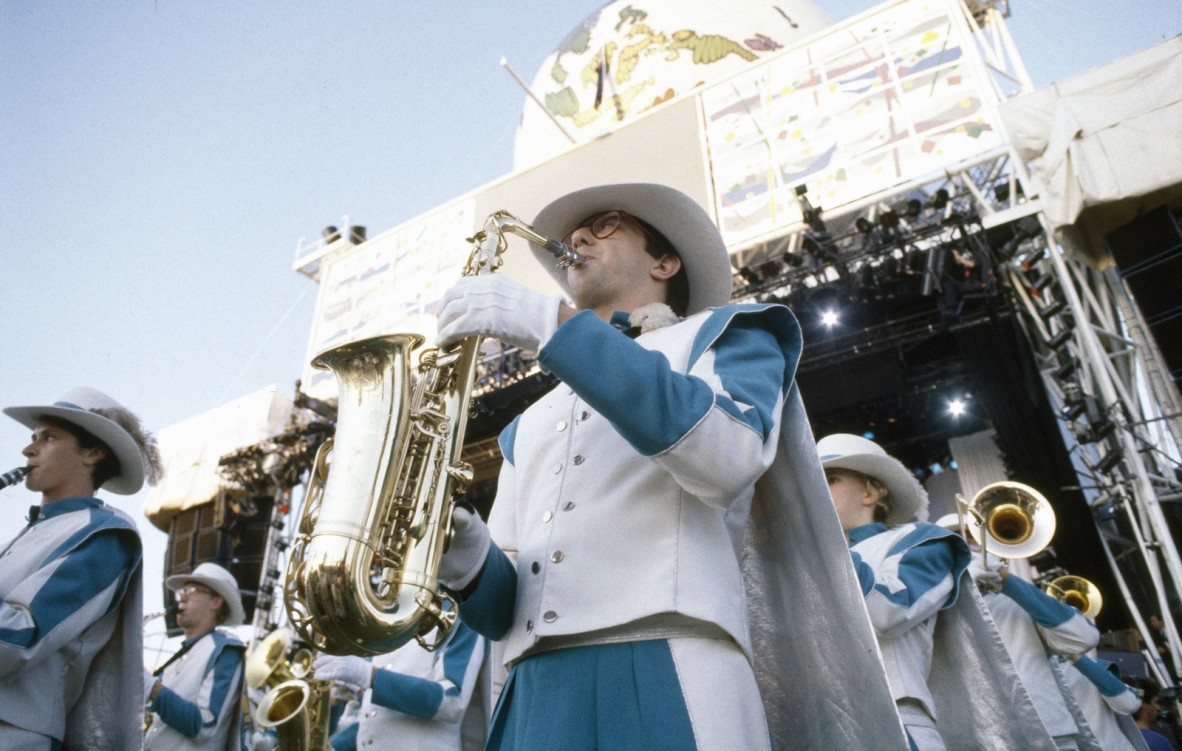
(149, 451)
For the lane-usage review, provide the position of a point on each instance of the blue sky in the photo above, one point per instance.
(159, 161)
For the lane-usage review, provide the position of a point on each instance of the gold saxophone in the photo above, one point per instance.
(294, 704)
(362, 577)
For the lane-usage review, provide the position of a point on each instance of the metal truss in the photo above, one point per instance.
(1112, 405)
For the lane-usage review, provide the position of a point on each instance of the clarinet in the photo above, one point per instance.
(14, 476)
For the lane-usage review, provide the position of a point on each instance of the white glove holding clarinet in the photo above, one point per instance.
(495, 306)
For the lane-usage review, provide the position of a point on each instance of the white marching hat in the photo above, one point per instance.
(683, 222)
(908, 500)
(75, 408)
(219, 580)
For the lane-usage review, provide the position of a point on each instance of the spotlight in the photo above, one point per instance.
(829, 318)
(864, 225)
(1109, 462)
(1057, 341)
(1052, 310)
(1098, 431)
(793, 259)
(957, 407)
(940, 200)
(1073, 411)
(1040, 283)
(888, 219)
(1067, 369)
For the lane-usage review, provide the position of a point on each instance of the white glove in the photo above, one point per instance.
(149, 681)
(469, 547)
(355, 673)
(990, 578)
(495, 306)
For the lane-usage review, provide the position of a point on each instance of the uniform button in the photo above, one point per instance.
(529, 626)
(535, 567)
(568, 505)
(547, 516)
(578, 460)
(549, 616)
(557, 468)
(560, 426)
(584, 415)
(557, 556)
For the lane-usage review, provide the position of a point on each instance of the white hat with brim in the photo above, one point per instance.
(75, 408)
(908, 500)
(683, 222)
(219, 580)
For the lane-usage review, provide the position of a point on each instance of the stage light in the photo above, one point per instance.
(1073, 411)
(957, 407)
(1040, 283)
(864, 225)
(1052, 310)
(829, 318)
(1098, 431)
(1109, 462)
(888, 219)
(940, 200)
(1058, 341)
(793, 259)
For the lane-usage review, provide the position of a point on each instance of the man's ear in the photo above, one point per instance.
(665, 267)
(92, 456)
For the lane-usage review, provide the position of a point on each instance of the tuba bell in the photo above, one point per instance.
(362, 576)
(294, 704)
(1011, 520)
(1077, 592)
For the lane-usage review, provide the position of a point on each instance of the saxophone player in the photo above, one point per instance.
(610, 564)
(415, 699)
(194, 696)
(71, 582)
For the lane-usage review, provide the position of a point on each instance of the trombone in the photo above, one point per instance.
(1077, 592)
(1009, 519)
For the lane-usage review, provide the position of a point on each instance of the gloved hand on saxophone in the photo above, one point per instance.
(495, 306)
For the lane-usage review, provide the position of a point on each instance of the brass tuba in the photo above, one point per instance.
(295, 705)
(1077, 592)
(362, 577)
(1012, 520)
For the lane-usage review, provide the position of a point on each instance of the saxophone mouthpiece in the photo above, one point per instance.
(563, 253)
(14, 476)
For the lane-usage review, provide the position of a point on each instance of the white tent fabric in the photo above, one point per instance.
(1104, 145)
(191, 449)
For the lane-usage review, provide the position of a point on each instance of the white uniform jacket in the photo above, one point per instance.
(70, 626)
(625, 491)
(199, 706)
(1107, 703)
(1033, 625)
(909, 573)
(428, 701)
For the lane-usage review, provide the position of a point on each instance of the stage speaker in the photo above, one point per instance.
(1148, 255)
(230, 530)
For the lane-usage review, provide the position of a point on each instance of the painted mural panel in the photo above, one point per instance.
(877, 102)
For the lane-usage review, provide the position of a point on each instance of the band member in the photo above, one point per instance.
(909, 570)
(194, 697)
(415, 699)
(71, 604)
(616, 579)
(1108, 703)
(1033, 626)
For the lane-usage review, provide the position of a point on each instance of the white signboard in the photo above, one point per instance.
(388, 285)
